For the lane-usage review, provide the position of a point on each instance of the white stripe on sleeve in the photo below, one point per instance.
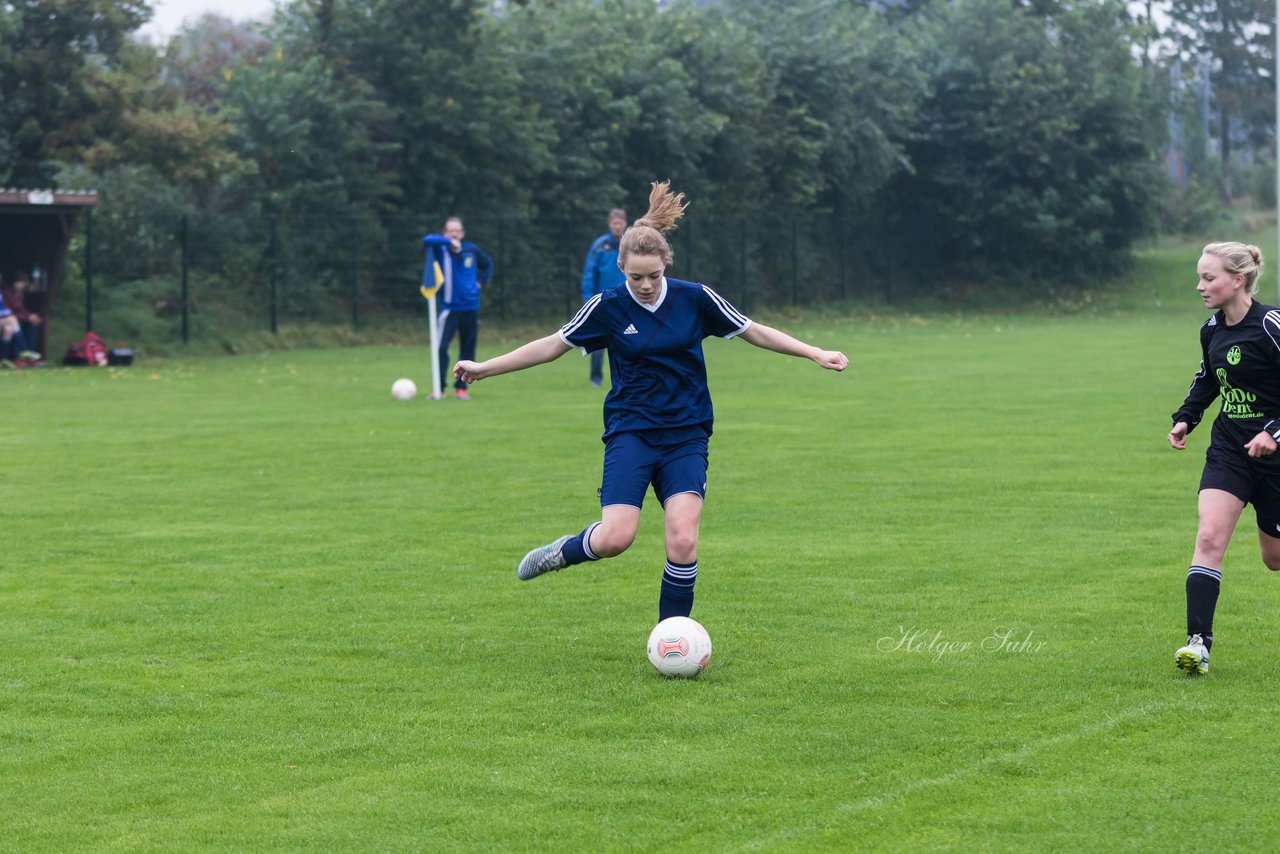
(730, 313)
(1271, 323)
(576, 323)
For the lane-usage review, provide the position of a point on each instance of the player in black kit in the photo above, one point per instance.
(1240, 364)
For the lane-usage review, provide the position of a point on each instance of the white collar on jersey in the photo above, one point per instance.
(651, 308)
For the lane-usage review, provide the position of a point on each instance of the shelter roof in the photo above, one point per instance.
(15, 199)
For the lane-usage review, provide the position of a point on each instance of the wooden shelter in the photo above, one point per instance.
(35, 230)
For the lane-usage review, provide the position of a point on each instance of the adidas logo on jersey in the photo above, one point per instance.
(631, 330)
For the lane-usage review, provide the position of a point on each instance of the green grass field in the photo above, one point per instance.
(254, 604)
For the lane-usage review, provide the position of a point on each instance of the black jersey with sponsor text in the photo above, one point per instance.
(1240, 365)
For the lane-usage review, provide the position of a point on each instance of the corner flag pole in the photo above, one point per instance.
(436, 391)
(436, 276)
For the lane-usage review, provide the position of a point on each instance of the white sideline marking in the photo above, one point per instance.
(1023, 752)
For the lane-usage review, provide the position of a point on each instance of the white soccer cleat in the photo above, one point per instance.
(1194, 657)
(549, 558)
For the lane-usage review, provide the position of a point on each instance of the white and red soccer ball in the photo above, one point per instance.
(679, 646)
(404, 389)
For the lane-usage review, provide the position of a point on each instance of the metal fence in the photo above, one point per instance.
(181, 276)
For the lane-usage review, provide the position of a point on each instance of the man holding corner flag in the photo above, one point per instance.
(455, 272)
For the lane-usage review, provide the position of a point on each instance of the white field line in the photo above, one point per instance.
(1029, 749)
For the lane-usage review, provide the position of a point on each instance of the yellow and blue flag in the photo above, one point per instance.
(429, 291)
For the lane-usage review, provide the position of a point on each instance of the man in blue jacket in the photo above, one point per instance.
(465, 270)
(601, 272)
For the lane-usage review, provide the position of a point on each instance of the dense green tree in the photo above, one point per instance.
(608, 87)
(308, 131)
(731, 83)
(308, 134)
(465, 140)
(55, 57)
(843, 89)
(145, 121)
(751, 105)
(10, 108)
(1034, 156)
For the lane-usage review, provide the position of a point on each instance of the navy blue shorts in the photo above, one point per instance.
(1253, 481)
(673, 461)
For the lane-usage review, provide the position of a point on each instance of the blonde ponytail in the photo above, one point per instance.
(647, 235)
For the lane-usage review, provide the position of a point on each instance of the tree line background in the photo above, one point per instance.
(832, 149)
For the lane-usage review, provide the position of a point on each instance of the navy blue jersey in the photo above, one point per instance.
(1239, 364)
(659, 378)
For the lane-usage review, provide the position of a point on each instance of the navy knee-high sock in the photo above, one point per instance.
(1203, 584)
(578, 550)
(676, 598)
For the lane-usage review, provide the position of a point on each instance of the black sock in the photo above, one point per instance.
(1202, 597)
(676, 598)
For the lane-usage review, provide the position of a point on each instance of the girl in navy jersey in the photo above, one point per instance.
(1240, 364)
(657, 415)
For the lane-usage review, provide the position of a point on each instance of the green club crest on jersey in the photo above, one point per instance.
(1233, 356)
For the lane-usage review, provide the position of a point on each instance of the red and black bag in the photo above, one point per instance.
(89, 350)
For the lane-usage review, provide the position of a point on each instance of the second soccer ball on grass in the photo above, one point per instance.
(403, 389)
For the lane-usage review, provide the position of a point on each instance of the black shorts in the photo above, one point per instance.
(1253, 481)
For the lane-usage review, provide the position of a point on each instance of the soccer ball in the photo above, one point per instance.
(679, 646)
(404, 390)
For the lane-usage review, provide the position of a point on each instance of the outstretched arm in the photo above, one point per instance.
(534, 353)
(768, 338)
